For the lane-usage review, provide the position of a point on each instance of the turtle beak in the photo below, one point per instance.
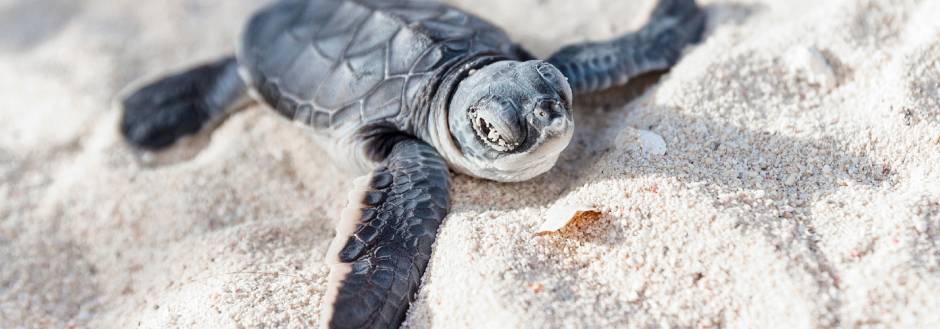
(499, 126)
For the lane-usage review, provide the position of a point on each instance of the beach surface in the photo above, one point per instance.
(785, 174)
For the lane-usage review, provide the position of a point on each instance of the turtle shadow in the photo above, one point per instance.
(764, 199)
(183, 150)
(820, 168)
(593, 114)
(737, 159)
(599, 114)
(27, 24)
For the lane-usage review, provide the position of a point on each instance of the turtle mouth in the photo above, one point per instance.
(489, 134)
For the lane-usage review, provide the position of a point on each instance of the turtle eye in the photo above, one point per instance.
(547, 108)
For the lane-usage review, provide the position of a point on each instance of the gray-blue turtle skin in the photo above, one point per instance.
(404, 91)
(331, 64)
(356, 68)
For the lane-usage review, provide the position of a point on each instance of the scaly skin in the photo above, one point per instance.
(406, 90)
(163, 111)
(379, 265)
(595, 66)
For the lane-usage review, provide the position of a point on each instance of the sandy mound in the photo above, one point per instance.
(799, 184)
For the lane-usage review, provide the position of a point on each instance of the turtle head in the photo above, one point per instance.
(511, 119)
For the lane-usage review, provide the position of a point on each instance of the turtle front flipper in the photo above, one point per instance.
(384, 237)
(595, 66)
(161, 112)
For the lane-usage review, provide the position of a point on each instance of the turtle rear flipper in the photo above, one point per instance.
(384, 237)
(595, 66)
(161, 112)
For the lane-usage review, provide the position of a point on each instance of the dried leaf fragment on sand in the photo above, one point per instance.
(563, 215)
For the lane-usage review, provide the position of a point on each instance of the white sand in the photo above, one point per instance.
(789, 195)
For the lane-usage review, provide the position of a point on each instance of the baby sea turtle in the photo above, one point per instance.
(404, 91)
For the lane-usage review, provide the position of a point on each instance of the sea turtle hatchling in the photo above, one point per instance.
(403, 91)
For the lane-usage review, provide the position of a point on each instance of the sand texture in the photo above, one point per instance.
(785, 174)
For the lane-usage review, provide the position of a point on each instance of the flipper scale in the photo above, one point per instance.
(595, 66)
(383, 241)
